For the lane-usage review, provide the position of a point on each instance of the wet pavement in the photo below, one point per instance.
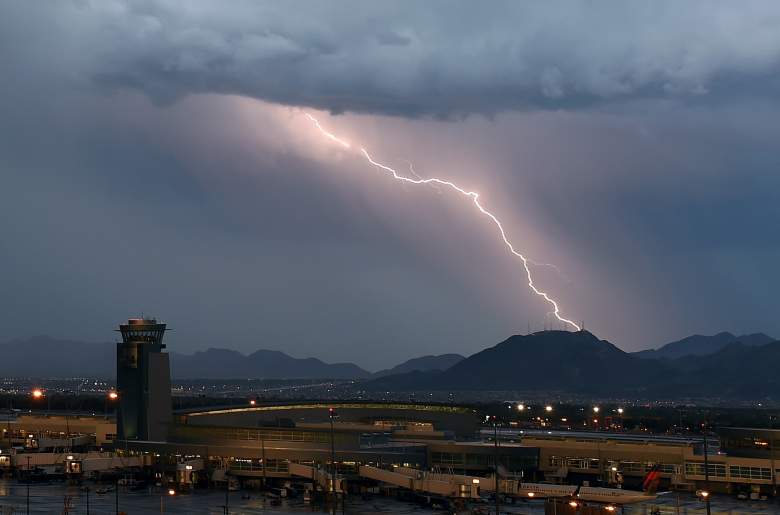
(58, 498)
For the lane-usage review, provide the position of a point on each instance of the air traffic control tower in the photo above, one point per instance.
(143, 378)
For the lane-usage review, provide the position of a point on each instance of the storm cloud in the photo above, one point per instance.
(412, 58)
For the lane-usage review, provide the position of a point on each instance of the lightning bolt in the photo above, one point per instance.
(473, 195)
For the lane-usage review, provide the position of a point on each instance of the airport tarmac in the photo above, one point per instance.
(56, 498)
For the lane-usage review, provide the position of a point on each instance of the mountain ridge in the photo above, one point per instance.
(702, 345)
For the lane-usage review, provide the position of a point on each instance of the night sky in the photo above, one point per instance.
(155, 158)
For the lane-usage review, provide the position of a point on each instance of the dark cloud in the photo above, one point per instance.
(412, 58)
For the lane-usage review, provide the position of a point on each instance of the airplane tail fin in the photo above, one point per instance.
(650, 483)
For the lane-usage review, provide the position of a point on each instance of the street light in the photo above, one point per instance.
(171, 492)
(112, 396)
(521, 407)
(548, 408)
(38, 394)
(596, 409)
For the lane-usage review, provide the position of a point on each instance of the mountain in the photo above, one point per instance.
(735, 371)
(580, 363)
(547, 360)
(42, 356)
(698, 345)
(422, 364)
(261, 364)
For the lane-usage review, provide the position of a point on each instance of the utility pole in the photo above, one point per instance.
(495, 463)
(116, 495)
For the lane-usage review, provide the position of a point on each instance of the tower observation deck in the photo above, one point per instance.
(143, 378)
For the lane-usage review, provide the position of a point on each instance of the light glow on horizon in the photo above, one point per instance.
(473, 195)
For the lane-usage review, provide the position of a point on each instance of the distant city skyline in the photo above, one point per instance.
(159, 162)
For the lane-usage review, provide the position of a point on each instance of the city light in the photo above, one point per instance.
(520, 407)
(573, 504)
(113, 395)
(531, 494)
(620, 410)
(171, 491)
(37, 393)
(610, 508)
(548, 408)
(596, 409)
(252, 402)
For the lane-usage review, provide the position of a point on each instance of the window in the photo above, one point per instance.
(756, 473)
(693, 468)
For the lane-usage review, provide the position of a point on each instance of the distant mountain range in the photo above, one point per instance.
(265, 364)
(722, 365)
(698, 345)
(43, 356)
(580, 363)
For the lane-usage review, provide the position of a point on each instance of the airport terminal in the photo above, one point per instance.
(436, 451)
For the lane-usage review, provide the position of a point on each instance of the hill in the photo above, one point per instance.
(580, 363)
(422, 364)
(43, 356)
(698, 345)
(261, 364)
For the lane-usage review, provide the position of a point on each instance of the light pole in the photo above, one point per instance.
(171, 492)
(706, 469)
(110, 397)
(332, 415)
(28, 484)
(495, 463)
